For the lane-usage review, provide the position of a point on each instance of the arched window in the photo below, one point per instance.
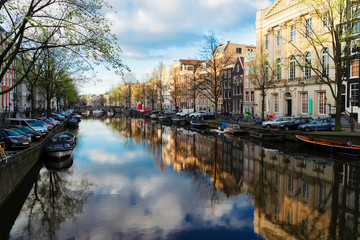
(307, 72)
(292, 69)
(325, 62)
(278, 69)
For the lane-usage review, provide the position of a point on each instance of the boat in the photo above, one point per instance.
(337, 147)
(57, 165)
(154, 116)
(179, 121)
(198, 123)
(61, 145)
(233, 129)
(72, 123)
(268, 136)
(165, 119)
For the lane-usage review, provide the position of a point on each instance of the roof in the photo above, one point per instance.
(190, 61)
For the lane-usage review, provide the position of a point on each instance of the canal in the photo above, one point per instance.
(133, 179)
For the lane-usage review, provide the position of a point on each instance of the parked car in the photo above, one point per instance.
(196, 114)
(169, 112)
(55, 121)
(34, 134)
(207, 115)
(34, 124)
(318, 124)
(294, 124)
(47, 121)
(276, 122)
(47, 125)
(13, 139)
(58, 116)
(184, 112)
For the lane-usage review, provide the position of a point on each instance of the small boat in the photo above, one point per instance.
(154, 116)
(233, 129)
(338, 147)
(61, 145)
(179, 121)
(198, 123)
(72, 122)
(165, 119)
(57, 165)
(268, 136)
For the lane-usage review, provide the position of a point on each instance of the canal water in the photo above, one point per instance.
(133, 179)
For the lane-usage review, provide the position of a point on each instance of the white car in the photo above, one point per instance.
(196, 114)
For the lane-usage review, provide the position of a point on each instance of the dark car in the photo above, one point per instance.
(169, 112)
(318, 124)
(294, 124)
(207, 115)
(13, 139)
(34, 134)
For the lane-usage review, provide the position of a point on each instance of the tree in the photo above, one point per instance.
(193, 83)
(159, 84)
(34, 25)
(340, 21)
(212, 76)
(128, 79)
(175, 88)
(263, 75)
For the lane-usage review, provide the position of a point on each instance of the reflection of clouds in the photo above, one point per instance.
(101, 155)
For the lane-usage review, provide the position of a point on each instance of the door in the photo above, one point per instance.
(289, 107)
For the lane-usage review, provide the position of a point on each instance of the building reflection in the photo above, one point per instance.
(295, 197)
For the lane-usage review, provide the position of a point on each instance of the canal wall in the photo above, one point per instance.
(18, 166)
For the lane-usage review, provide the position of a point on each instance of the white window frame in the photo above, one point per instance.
(321, 103)
(358, 68)
(292, 69)
(293, 33)
(304, 98)
(279, 38)
(307, 71)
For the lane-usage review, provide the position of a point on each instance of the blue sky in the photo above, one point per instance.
(150, 31)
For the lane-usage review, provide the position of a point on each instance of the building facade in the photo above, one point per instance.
(296, 91)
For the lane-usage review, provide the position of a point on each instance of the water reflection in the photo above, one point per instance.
(131, 179)
(294, 196)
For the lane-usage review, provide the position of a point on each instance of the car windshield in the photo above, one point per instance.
(292, 121)
(35, 123)
(313, 122)
(11, 132)
(18, 131)
(25, 128)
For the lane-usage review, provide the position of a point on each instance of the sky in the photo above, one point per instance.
(150, 31)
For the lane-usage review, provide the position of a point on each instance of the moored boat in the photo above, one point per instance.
(165, 119)
(179, 121)
(61, 145)
(198, 123)
(267, 136)
(338, 147)
(233, 129)
(57, 165)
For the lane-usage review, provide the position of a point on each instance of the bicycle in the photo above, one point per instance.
(3, 153)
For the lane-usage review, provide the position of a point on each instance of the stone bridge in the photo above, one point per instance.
(100, 111)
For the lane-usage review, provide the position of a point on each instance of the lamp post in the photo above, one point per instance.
(352, 124)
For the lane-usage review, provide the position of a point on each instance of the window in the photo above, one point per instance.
(276, 103)
(354, 69)
(279, 38)
(304, 103)
(305, 191)
(252, 96)
(308, 28)
(290, 184)
(229, 74)
(246, 96)
(247, 70)
(267, 42)
(327, 22)
(238, 68)
(307, 72)
(292, 69)
(251, 83)
(322, 194)
(325, 62)
(322, 96)
(246, 83)
(293, 33)
(238, 50)
(354, 93)
(278, 70)
(252, 69)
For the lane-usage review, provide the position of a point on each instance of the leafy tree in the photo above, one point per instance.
(335, 40)
(34, 25)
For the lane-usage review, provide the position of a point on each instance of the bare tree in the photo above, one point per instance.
(263, 75)
(334, 41)
(212, 75)
(128, 79)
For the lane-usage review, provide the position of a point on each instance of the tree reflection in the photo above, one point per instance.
(53, 201)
